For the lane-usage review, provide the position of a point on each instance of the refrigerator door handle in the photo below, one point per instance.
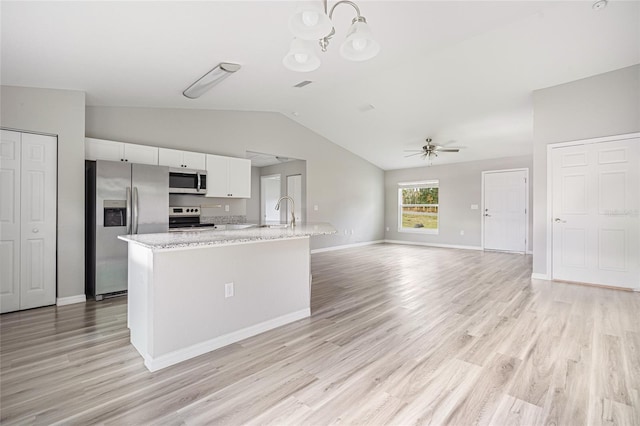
(135, 209)
(128, 216)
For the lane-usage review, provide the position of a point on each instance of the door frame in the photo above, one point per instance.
(549, 216)
(526, 206)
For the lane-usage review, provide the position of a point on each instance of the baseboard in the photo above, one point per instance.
(346, 246)
(163, 361)
(536, 276)
(70, 300)
(415, 243)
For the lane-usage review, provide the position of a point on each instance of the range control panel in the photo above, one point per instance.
(184, 211)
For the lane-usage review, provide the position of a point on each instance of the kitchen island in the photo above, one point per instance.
(192, 292)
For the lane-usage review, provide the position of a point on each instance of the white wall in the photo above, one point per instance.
(460, 186)
(58, 112)
(347, 189)
(604, 105)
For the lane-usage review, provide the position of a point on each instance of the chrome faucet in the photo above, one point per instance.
(293, 208)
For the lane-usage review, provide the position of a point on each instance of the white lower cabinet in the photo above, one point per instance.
(228, 177)
(28, 170)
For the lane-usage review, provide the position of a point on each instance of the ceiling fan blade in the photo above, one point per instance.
(413, 150)
(413, 155)
(448, 150)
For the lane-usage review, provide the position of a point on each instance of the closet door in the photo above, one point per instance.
(9, 221)
(38, 221)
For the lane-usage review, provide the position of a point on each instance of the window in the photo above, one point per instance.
(418, 207)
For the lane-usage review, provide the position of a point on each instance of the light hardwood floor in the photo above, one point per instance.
(398, 335)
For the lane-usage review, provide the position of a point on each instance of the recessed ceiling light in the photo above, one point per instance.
(600, 4)
(296, 113)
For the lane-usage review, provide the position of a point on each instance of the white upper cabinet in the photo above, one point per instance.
(100, 149)
(181, 159)
(228, 177)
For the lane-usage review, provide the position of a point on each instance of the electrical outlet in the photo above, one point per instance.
(346, 232)
(315, 207)
(387, 229)
(226, 207)
(228, 290)
(462, 232)
(352, 232)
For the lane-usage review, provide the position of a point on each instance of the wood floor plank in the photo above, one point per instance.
(398, 335)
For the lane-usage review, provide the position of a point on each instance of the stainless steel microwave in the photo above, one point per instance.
(186, 181)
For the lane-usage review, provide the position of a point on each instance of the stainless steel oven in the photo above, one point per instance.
(186, 219)
(185, 181)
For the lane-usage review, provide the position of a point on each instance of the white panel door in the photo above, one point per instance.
(596, 220)
(10, 221)
(38, 217)
(270, 192)
(505, 210)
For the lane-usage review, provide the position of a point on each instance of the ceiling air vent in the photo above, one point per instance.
(303, 83)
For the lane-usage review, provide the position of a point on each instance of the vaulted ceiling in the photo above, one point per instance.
(460, 72)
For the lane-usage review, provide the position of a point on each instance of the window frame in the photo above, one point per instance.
(430, 183)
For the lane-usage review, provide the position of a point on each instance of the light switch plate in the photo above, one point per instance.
(474, 207)
(228, 290)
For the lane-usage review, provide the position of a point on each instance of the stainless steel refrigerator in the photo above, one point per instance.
(121, 198)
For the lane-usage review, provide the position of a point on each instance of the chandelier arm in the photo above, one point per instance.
(355, 6)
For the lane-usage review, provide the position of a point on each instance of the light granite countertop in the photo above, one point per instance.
(195, 239)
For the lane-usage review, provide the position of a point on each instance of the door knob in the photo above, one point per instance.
(487, 215)
(558, 220)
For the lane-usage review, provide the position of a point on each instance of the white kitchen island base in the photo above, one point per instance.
(177, 305)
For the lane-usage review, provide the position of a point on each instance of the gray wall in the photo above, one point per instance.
(604, 105)
(289, 168)
(460, 186)
(347, 189)
(59, 112)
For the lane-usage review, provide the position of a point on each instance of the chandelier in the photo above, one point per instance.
(311, 22)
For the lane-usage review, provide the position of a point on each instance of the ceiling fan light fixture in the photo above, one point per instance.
(310, 22)
(210, 79)
(359, 44)
(301, 57)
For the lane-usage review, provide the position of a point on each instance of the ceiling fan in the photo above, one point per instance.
(430, 150)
